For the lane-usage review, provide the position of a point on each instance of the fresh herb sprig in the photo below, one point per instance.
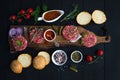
(38, 11)
(72, 14)
(44, 7)
(36, 31)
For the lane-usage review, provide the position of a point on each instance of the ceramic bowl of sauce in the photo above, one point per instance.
(49, 35)
(51, 15)
(76, 56)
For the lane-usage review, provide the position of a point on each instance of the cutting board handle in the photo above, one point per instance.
(103, 39)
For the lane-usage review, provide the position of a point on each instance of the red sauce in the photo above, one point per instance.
(51, 15)
(49, 35)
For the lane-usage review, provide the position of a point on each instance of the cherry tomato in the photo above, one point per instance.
(27, 16)
(30, 10)
(20, 20)
(89, 58)
(22, 11)
(13, 17)
(100, 52)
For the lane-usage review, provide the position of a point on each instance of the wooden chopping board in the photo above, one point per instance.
(59, 38)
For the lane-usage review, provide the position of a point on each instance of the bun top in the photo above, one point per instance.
(39, 62)
(16, 66)
(45, 55)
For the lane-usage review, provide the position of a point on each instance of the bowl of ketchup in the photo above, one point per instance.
(49, 35)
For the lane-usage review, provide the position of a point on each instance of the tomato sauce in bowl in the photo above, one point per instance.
(49, 35)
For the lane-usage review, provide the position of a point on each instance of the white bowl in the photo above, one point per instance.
(54, 35)
(58, 52)
(49, 21)
(80, 57)
(79, 36)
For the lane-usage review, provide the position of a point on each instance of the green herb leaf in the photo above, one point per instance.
(19, 43)
(36, 14)
(55, 28)
(44, 7)
(94, 60)
(38, 11)
(81, 42)
(60, 30)
(72, 14)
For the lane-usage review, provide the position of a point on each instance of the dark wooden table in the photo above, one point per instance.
(106, 69)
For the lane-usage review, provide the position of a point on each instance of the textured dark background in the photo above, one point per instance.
(105, 69)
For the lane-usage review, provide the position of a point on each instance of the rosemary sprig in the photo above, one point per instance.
(72, 14)
(36, 31)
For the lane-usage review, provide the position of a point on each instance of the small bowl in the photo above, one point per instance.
(79, 36)
(59, 57)
(78, 55)
(49, 35)
(53, 20)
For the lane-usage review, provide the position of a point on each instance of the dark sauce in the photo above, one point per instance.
(51, 15)
(50, 35)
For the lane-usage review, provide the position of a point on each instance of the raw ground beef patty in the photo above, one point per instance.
(89, 39)
(19, 43)
(38, 37)
(70, 32)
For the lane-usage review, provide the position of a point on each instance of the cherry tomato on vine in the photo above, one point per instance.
(89, 58)
(100, 52)
(29, 10)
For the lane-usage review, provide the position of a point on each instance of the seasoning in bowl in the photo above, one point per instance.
(49, 35)
(76, 56)
(59, 57)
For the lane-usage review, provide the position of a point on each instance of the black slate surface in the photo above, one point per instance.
(106, 69)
